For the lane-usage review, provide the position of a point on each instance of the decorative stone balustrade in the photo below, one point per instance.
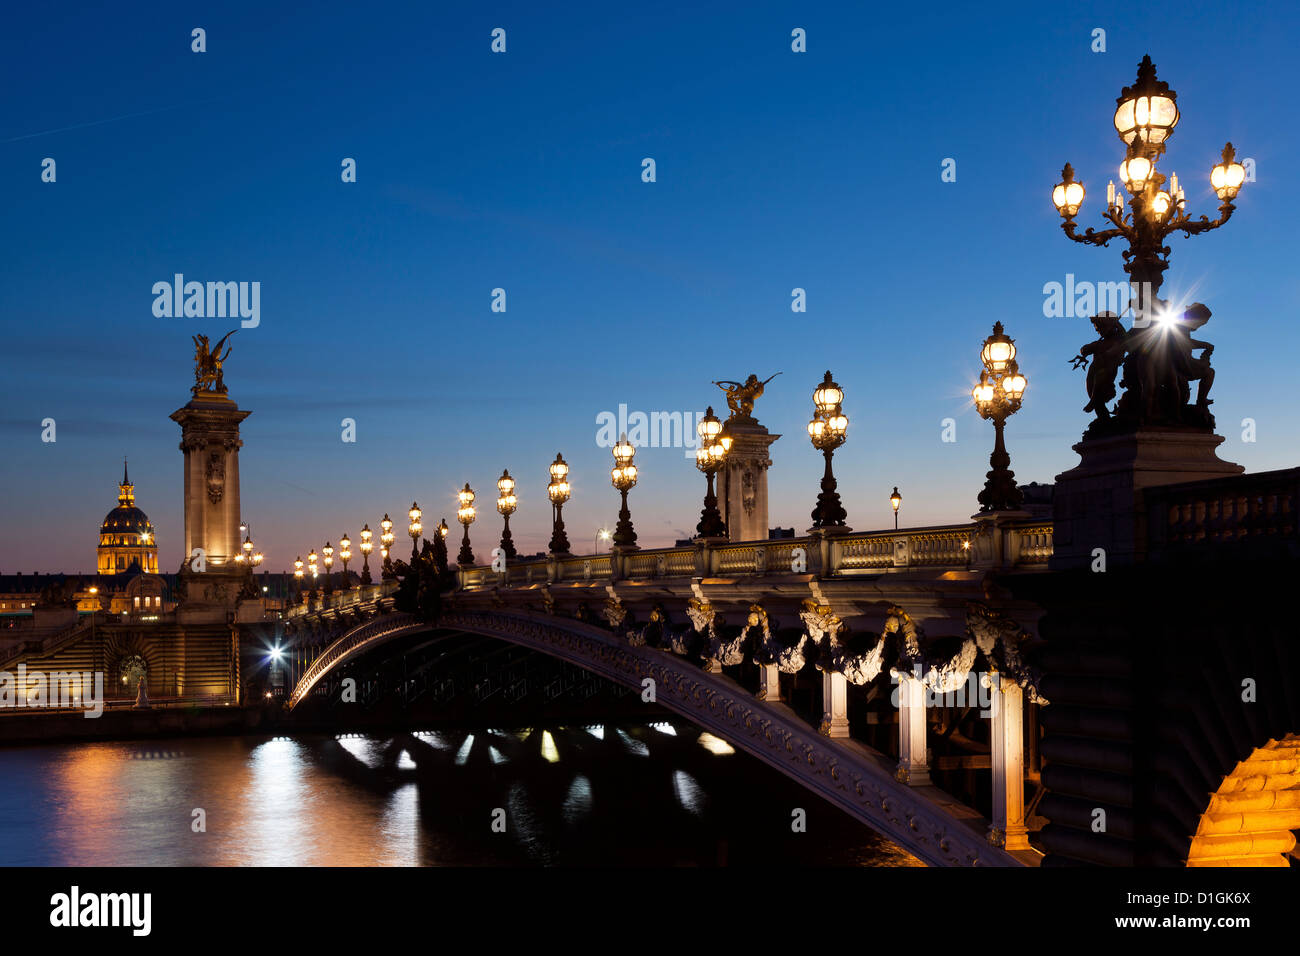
(1243, 508)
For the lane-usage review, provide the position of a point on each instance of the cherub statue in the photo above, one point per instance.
(741, 396)
(1193, 369)
(1107, 353)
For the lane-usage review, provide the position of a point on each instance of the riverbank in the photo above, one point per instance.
(129, 724)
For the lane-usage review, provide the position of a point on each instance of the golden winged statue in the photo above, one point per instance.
(742, 395)
(207, 364)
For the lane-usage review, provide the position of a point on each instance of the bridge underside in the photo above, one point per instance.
(924, 820)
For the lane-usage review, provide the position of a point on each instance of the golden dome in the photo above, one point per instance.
(127, 535)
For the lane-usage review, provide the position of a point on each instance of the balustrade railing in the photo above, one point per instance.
(1222, 510)
(945, 546)
(845, 555)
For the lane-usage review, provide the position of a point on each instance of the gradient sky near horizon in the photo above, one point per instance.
(522, 170)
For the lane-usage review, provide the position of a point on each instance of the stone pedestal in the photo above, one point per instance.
(742, 483)
(1099, 503)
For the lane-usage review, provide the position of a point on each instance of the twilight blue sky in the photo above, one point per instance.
(476, 170)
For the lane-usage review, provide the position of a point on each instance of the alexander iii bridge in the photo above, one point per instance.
(888, 671)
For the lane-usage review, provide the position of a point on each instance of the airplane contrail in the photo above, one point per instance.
(111, 119)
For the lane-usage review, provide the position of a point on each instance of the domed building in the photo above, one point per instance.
(127, 537)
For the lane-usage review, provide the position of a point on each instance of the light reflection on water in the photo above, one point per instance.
(570, 796)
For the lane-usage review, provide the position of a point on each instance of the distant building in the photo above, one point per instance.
(127, 537)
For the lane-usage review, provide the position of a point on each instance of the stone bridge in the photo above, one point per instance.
(720, 634)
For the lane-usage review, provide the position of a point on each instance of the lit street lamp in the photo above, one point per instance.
(327, 556)
(443, 529)
(506, 505)
(386, 539)
(311, 563)
(603, 534)
(345, 554)
(623, 477)
(997, 396)
(709, 458)
(558, 491)
(465, 515)
(297, 571)
(827, 431)
(366, 548)
(414, 529)
(894, 501)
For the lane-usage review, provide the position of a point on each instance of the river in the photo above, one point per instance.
(663, 794)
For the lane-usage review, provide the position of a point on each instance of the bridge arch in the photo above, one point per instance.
(930, 824)
(1251, 817)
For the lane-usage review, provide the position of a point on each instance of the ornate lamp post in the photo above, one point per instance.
(506, 505)
(997, 396)
(709, 458)
(623, 477)
(366, 548)
(311, 563)
(1146, 115)
(465, 515)
(345, 554)
(827, 431)
(558, 491)
(443, 529)
(327, 557)
(894, 501)
(386, 539)
(297, 571)
(414, 529)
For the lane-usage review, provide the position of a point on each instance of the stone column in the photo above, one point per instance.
(210, 441)
(913, 762)
(1007, 747)
(742, 483)
(835, 704)
(769, 682)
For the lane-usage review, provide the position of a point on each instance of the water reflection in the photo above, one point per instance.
(599, 795)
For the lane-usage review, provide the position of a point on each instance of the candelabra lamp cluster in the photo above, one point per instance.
(327, 558)
(345, 555)
(1156, 353)
(386, 539)
(414, 528)
(465, 515)
(828, 431)
(366, 547)
(623, 477)
(710, 456)
(506, 505)
(997, 397)
(248, 555)
(558, 491)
